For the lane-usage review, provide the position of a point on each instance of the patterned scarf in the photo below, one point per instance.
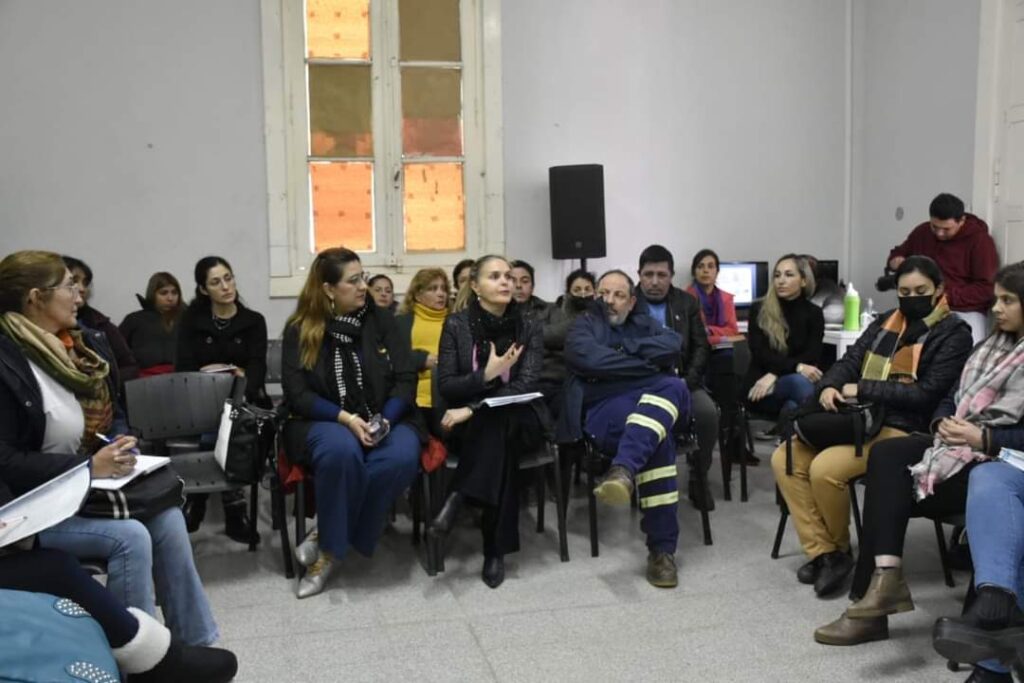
(489, 329)
(711, 306)
(73, 365)
(345, 331)
(896, 350)
(991, 394)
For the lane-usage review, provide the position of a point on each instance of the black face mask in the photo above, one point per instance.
(916, 307)
(579, 303)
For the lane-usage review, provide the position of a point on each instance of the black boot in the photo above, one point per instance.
(442, 524)
(835, 567)
(700, 496)
(236, 523)
(493, 573)
(152, 657)
(195, 511)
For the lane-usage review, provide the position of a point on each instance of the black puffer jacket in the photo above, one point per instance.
(907, 406)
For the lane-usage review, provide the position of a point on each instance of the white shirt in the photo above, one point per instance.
(65, 422)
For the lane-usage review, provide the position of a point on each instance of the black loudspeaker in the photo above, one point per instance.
(577, 211)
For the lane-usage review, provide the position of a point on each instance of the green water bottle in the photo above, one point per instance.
(851, 309)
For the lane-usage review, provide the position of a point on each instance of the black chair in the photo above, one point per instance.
(187, 404)
(598, 461)
(545, 459)
(273, 376)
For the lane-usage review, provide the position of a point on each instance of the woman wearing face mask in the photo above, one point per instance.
(218, 332)
(929, 475)
(152, 333)
(420, 319)
(488, 348)
(556, 320)
(903, 365)
(784, 336)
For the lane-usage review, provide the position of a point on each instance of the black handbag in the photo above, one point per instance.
(853, 424)
(244, 440)
(141, 499)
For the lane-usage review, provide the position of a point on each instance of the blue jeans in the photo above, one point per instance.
(995, 527)
(790, 391)
(140, 556)
(355, 489)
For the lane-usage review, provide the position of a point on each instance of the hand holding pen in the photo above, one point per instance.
(116, 459)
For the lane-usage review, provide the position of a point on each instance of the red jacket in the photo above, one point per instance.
(968, 261)
(717, 334)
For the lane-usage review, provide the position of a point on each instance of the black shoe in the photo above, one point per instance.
(442, 524)
(835, 567)
(493, 573)
(991, 629)
(808, 573)
(237, 525)
(190, 663)
(983, 675)
(195, 511)
(700, 496)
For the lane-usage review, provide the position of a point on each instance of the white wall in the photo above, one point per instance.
(915, 81)
(719, 124)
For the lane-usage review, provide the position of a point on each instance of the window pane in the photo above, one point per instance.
(338, 29)
(342, 204)
(339, 111)
(431, 112)
(429, 30)
(434, 213)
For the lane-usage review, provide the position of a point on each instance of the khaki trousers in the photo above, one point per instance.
(817, 494)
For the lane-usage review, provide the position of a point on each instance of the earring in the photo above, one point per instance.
(332, 304)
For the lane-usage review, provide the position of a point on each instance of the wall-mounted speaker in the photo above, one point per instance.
(577, 211)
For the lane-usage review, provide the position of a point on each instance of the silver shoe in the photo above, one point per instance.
(315, 579)
(307, 552)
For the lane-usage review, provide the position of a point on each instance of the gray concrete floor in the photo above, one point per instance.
(737, 615)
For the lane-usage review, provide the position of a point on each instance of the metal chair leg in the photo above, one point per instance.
(254, 533)
(855, 506)
(277, 505)
(561, 502)
(783, 516)
(947, 572)
(724, 459)
(591, 502)
(416, 503)
(541, 486)
(748, 434)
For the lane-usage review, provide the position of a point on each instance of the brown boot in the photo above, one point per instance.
(846, 631)
(616, 488)
(887, 594)
(661, 570)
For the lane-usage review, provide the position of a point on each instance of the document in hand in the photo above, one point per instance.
(144, 464)
(499, 401)
(218, 367)
(45, 505)
(1012, 457)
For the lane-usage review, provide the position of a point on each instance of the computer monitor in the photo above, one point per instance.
(747, 281)
(827, 270)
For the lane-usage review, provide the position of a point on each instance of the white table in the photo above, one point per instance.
(841, 339)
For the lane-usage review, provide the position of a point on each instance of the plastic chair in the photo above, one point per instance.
(187, 404)
(273, 375)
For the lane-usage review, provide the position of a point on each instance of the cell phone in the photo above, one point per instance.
(378, 428)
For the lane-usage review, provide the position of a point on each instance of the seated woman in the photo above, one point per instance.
(347, 376)
(904, 363)
(992, 629)
(784, 336)
(58, 393)
(127, 366)
(152, 333)
(489, 348)
(142, 647)
(218, 331)
(420, 319)
(382, 290)
(556, 320)
(916, 476)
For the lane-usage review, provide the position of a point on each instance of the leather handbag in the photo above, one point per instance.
(142, 498)
(245, 439)
(852, 424)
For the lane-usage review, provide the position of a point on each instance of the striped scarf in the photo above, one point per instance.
(991, 394)
(345, 330)
(73, 365)
(896, 350)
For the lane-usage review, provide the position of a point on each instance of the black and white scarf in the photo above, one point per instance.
(346, 331)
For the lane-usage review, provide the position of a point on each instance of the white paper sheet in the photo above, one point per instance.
(45, 505)
(144, 464)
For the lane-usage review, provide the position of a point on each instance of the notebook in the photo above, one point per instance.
(498, 401)
(144, 464)
(45, 505)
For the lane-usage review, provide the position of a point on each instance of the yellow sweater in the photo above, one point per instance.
(426, 335)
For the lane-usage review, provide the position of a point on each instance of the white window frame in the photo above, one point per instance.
(286, 123)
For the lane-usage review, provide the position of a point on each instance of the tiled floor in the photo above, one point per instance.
(737, 614)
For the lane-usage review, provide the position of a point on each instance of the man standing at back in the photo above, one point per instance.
(680, 312)
(959, 242)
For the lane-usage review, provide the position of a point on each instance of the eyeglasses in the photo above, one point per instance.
(71, 286)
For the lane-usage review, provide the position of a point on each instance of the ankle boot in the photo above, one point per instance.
(888, 593)
(195, 511)
(493, 572)
(988, 630)
(847, 631)
(152, 657)
(442, 524)
(236, 523)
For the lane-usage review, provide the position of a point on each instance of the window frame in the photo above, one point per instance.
(286, 121)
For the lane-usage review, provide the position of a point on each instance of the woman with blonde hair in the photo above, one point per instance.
(420, 320)
(350, 386)
(785, 338)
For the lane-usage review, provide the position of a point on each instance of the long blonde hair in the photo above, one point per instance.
(419, 283)
(770, 318)
(466, 295)
(314, 308)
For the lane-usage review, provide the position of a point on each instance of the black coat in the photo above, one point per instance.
(23, 423)
(150, 341)
(806, 330)
(907, 406)
(388, 372)
(682, 313)
(243, 343)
